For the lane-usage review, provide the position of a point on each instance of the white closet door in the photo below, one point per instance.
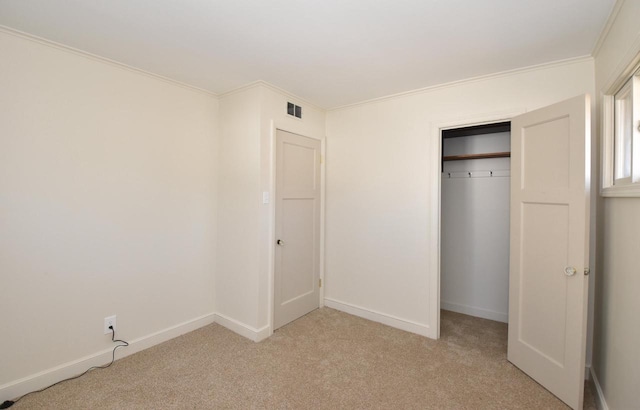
(550, 166)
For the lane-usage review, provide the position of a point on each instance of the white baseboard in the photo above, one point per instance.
(47, 377)
(599, 394)
(474, 311)
(398, 323)
(257, 335)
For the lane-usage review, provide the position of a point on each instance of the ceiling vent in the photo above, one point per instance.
(294, 110)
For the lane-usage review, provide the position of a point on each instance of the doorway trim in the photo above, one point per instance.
(274, 127)
(435, 161)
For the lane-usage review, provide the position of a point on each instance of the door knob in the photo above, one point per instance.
(279, 242)
(569, 271)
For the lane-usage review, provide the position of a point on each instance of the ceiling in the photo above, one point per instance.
(329, 52)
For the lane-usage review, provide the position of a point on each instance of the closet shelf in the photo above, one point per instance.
(477, 156)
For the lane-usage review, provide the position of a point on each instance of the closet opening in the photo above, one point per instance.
(474, 204)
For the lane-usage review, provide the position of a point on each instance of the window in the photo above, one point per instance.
(622, 139)
(623, 113)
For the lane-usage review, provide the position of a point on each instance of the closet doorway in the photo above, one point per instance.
(548, 242)
(475, 200)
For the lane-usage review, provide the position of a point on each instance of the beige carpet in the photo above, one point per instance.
(325, 360)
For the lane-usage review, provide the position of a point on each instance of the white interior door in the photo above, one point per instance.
(550, 165)
(297, 255)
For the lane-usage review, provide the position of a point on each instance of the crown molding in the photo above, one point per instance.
(500, 74)
(86, 54)
(607, 27)
(274, 88)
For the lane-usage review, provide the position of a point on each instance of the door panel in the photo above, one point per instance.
(297, 254)
(548, 140)
(299, 172)
(550, 165)
(297, 250)
(544, 249)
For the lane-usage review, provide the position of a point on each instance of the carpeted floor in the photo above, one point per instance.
(324, 360)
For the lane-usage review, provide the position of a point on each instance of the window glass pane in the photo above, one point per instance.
(623, 131)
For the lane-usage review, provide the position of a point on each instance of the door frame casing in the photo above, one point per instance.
(274, 128)
(435, 161)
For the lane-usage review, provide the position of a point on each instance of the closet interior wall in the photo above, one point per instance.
(475, 227)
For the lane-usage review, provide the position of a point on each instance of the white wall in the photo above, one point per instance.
(380, 185)
(474, 277)
(245, 230)
(616, 361)
(107, 206)
(239, 207)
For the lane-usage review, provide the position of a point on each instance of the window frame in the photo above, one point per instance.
(618, 146)
(626, 186)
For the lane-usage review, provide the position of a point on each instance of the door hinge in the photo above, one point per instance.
(319, 283)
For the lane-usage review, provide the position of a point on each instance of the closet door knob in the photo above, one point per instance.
(279, 242)
(569, 271)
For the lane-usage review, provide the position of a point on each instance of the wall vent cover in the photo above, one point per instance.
(294, 110)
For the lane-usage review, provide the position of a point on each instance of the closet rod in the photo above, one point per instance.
(477, 156)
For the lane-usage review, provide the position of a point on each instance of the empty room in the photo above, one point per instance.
(314, 205)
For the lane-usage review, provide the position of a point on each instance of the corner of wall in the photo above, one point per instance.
(596, 388)
(250, 332)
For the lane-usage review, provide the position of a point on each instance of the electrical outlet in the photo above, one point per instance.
(109, 321)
